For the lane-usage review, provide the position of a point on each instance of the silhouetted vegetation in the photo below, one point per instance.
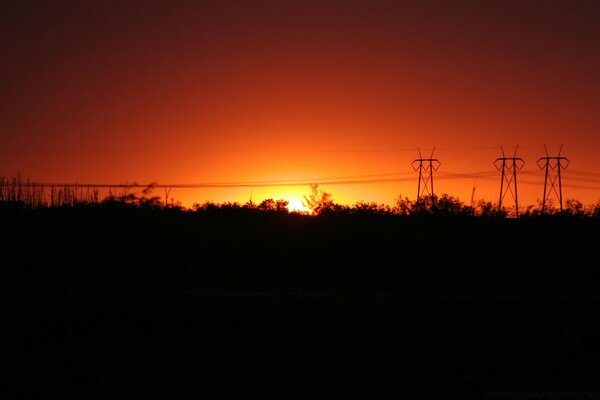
(98, 291)
(26, 193)
(231, 245)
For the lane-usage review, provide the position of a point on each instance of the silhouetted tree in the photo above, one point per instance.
(206, 206)
(363, 207)
(279, 205)
(450, 205)
(318, 200)
(250, 205)
(489, 209)
(403, 206)
(595, 210)
(267, 205)
(574, 208)
(536, 210)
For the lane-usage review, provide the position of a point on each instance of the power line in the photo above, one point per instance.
(251, 151)
(426, 168)
(583, 173)
(308, 182)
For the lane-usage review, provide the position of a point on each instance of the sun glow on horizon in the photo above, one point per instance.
(296, 205)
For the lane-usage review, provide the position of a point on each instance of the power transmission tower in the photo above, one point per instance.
(552, 167)
(426, 168)
(509, 167)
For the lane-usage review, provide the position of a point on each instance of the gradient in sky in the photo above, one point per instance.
(226, 91)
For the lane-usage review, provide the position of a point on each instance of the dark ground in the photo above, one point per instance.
(226, 304)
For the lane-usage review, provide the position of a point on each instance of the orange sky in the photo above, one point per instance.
(177, 92)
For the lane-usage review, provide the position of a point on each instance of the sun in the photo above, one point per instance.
(296, 205)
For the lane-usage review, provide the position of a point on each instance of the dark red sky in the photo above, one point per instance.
(182, 92)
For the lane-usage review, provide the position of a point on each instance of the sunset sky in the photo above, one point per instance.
(251, 91)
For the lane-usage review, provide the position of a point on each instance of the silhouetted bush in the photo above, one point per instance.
(594, 210)
(488, 209)
(574, 208)
(364, 208)
(318, 201)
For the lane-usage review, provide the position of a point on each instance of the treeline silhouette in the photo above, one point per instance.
(27, 193)
(229, 300)
(438, 244)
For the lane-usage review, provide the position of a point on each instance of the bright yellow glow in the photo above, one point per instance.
(295, 205)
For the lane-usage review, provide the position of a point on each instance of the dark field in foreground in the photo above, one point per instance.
(246, 303)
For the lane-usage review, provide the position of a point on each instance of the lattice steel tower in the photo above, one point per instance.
(426, 168)
(552, 167)
(509, 167)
